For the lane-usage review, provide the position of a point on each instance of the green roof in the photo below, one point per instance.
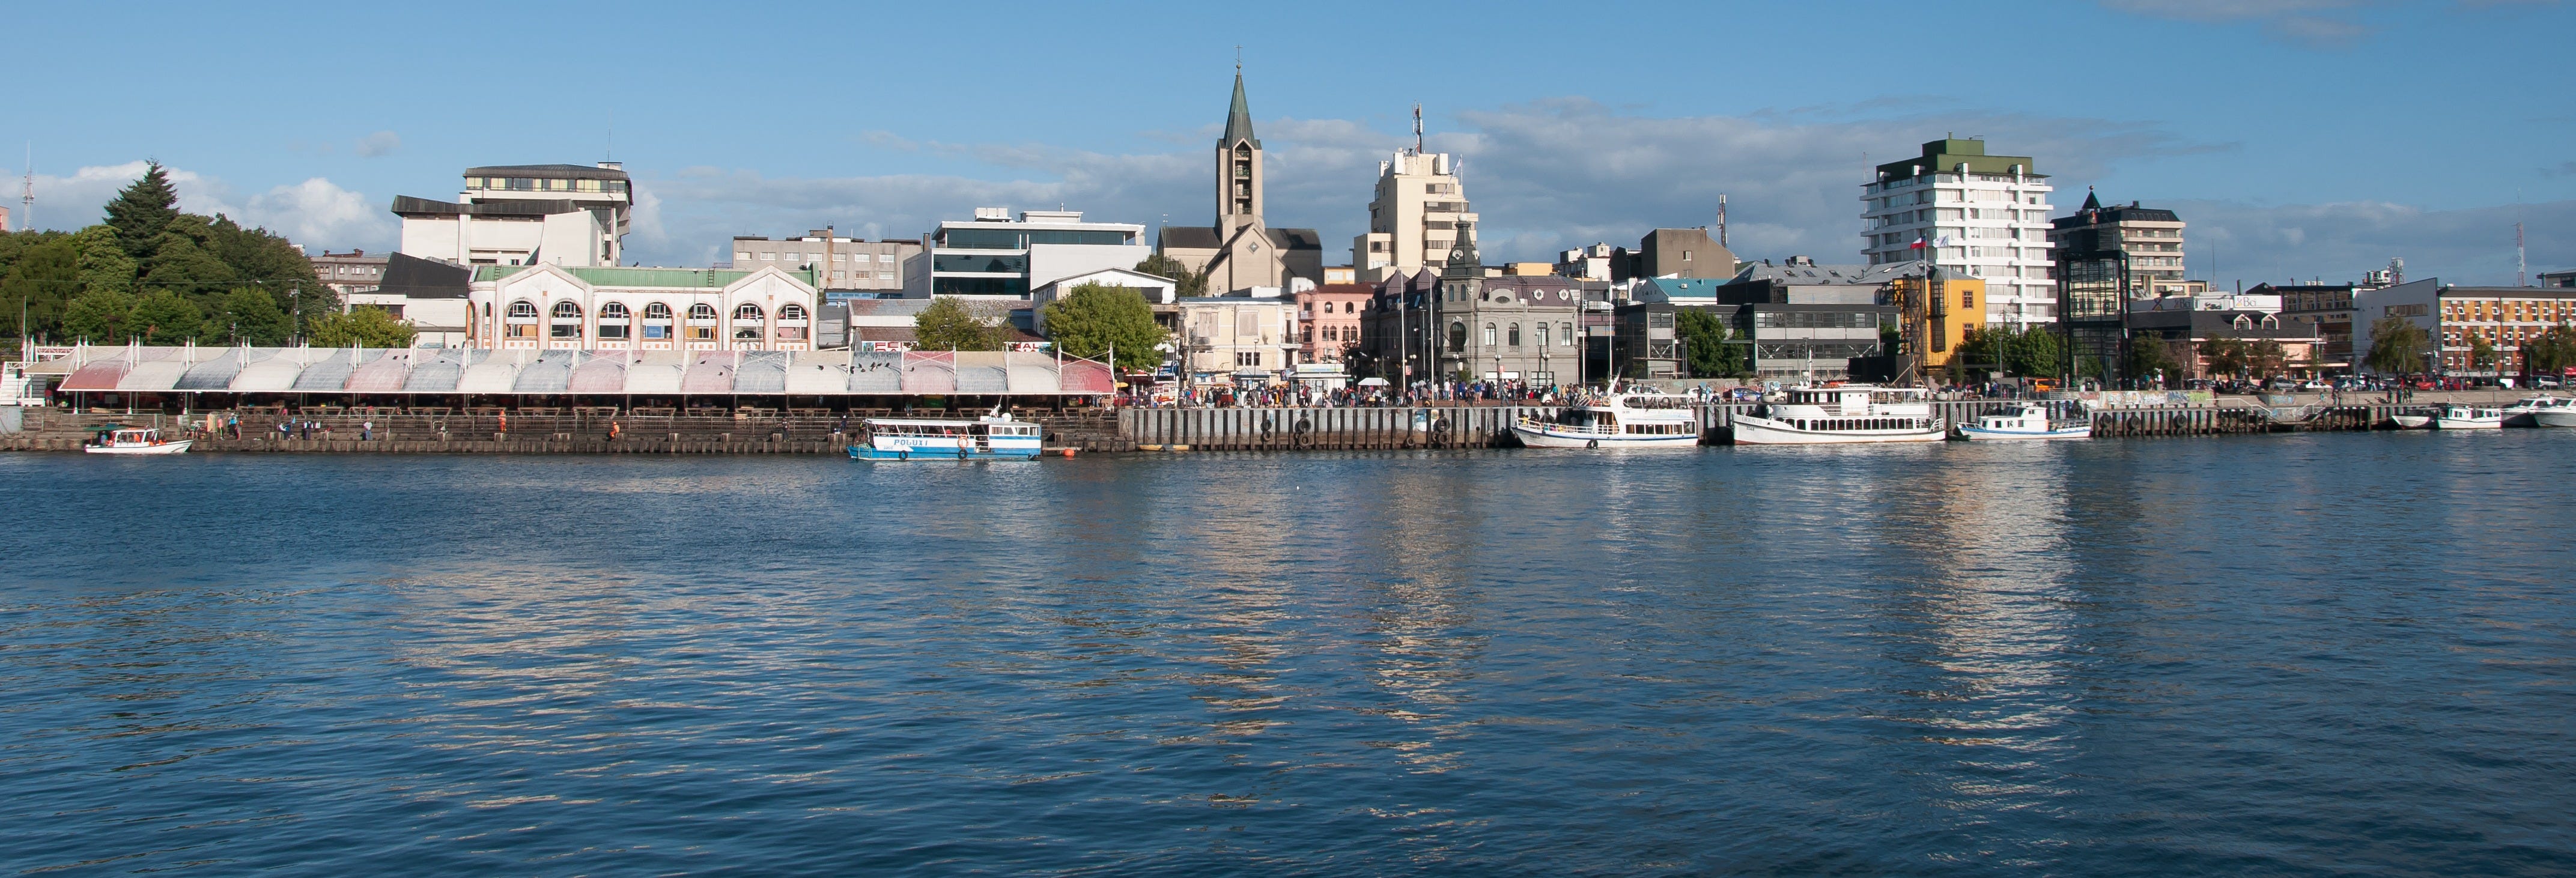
(621, 276)
(1238, 118)
(1947, 154)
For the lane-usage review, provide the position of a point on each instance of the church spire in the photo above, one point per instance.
(1238, 119)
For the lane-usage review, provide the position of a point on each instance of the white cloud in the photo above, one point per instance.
(319, 214)
(2322, 24)
(315, 213)
(378, 144)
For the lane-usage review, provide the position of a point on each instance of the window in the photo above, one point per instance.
(840, 257)
(1967, 298)
(791, 311)
(1350, 307)
(657, 331)
(702, 311)
(1306, 335)
(657, 311)
(566, 330)
(1515, 335)
(613, 311)
(1542, 335)
(1247, 358)
(1568, 334)
(523, 310)
(747, 312)
(523, 330)
(612, 331)
(1686, 256)
(566, 311)
(742, 256)
(770, 255)
(1247, 323)
(1457, 336)
(1489, 335)
(747, 333)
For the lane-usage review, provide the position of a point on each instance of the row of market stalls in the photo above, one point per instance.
(454, 371)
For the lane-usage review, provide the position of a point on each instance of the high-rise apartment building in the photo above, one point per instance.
(1420, 214)
(1974, 215)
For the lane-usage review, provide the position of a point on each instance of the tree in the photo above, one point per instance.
(2225, 356)
(252, 316)
(2148, 357)
(98, 316)
(1095, 318)
(1190, 283)
(2553, 351)
(947, 325)
(165, 317)
(1704, 336)
(2267, 358)
(361, 326)
(179, 265)
(262, 257)
(104, 264)
(40, 282)
(2397, 347)
(2482, 353)
(143, 211)
(2036, 351)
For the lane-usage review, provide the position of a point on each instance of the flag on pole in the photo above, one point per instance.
(1918, 242)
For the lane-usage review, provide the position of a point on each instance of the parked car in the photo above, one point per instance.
(2313, 384)
(2545, 382)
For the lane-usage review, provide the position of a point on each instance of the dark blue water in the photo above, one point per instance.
(2315, 654)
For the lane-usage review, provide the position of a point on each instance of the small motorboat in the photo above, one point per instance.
(2468, 417)
(2412, 419)
(134, 440)
(2023, 422)
(2526, 412)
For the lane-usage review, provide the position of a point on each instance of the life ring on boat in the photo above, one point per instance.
(903, 454)
(1595, 443)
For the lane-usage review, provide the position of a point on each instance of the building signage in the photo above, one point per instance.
(1032, 347)
(884, 347)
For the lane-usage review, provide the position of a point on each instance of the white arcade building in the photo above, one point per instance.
(553, 307)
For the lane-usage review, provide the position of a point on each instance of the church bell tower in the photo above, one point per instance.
(1238, 167)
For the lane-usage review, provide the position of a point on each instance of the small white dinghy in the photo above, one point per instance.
(2025, 423)
(2411, 420)
(134, 440)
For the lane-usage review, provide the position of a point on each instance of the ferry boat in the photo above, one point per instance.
(135, 440)
(2526, 412)
(1619, 420)
(2028, 422)
(2468, 417)
(1847, 413)
(991, 437)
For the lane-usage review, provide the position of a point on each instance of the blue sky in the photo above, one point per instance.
(2299, 137)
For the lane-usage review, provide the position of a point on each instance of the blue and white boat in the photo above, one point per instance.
(2023, 422)
(992, 437)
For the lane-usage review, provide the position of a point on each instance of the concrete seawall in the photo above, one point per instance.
(1281, 429)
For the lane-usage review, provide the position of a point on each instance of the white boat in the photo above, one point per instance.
(1619, 420)
(992, 437)
(2467, 417)
(2412, 419)
(2027, 422)
(1842, 414)
(135, 440)
(2557, 417)
(2525, 412)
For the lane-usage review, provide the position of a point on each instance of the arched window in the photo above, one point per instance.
(523, 309)
(612, 322)
(1457, 336)
(1489, 335)
(702, 311)
(566, 311)
(657, 311)
(791, 311)
(1516, 335)
(747, 311)
(613, 311)
(1350, 307)
(1306, 334)
(2242, 322)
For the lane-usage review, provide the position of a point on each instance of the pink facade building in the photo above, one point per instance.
(1328, 321)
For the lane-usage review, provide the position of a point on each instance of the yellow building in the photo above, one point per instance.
(1936, 315)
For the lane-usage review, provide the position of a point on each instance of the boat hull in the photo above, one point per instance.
(1763, 431)
(1984, 434)
(933, 455)
(2411, 422)
(178, 447)
(2555, 418)
(2468, 423)
(1541, 437)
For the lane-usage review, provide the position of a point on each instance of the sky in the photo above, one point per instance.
(2298, 138)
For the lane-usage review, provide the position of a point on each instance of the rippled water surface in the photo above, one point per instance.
(2310, 654)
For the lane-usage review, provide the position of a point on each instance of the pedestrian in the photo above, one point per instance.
(305, 429)
(367, 431)
(613, 430)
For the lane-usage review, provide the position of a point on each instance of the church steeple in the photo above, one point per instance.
(1238, 167)
(1238, 119)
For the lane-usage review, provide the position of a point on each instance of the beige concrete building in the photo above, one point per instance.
(571, 215)
(348, 273)
(854, 264)
(1241, 252)
(1237, 339)
(1417, 217)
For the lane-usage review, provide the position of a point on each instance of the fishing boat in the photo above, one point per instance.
(2525, 412)
(1847, 413)
(134, 440)
(2026, 422)
(2468, 417)
(1632, 419)
(991, 437)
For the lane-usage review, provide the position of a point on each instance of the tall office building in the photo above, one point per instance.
(1975, 215)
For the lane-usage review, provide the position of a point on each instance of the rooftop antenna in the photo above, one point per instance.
(1417, 128)
(1721, 219)
(2521, 268)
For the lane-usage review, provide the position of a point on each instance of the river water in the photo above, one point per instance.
(2294, 654)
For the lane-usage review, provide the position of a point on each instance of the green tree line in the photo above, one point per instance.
(149, 271)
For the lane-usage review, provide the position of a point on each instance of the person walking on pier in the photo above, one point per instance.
(232, 424)
(367, 431)
(614, 430)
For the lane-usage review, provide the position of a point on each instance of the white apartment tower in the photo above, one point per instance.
(1974, 215)
(1419, 214)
